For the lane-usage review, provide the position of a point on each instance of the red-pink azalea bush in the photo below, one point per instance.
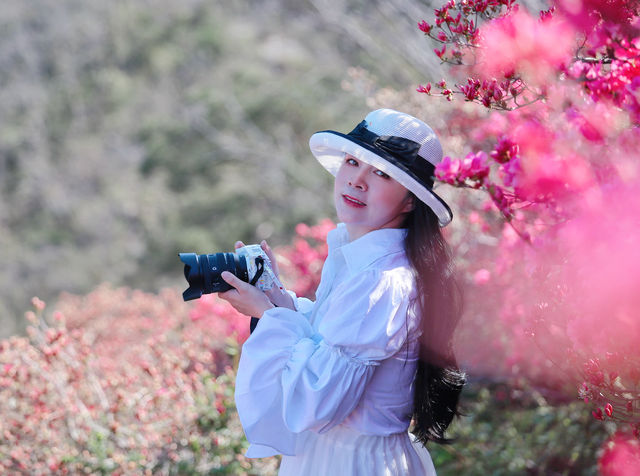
(301, 262)
(123, 382)
(556, 154)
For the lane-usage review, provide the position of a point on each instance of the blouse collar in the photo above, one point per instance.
(360, 253)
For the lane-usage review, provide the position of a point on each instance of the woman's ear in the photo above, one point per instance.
(409, 203)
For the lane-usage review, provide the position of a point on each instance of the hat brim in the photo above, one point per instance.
(329, 148)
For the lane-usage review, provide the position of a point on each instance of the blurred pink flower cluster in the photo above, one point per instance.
(620, 457)
(553, 284)
(301, 263)
(521, 43)
(514, 56)
(470, 171)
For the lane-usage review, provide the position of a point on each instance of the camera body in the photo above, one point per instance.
(249, 263)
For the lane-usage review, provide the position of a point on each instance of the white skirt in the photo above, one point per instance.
(344, 451)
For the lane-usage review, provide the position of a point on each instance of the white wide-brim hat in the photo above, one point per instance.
(401, 146)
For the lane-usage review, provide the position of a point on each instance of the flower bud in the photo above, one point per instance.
(608, 409)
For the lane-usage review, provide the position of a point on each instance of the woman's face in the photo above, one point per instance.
(367, 199)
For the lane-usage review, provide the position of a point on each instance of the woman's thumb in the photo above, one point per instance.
(231, 279)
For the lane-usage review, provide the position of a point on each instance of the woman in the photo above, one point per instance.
(333, 385)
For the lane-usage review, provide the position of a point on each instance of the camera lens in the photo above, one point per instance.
(203, 272)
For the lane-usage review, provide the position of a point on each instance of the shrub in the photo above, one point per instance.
(123, 382)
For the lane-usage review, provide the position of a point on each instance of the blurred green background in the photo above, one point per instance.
(132, 130)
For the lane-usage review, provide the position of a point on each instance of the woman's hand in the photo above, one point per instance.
(277, 296)
(245, 298)
(274, 265)
(267, 249)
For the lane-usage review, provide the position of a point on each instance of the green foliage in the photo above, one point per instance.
(131, 132)
(508, 430)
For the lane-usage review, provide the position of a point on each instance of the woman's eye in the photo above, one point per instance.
(380, 173)
(351, 161)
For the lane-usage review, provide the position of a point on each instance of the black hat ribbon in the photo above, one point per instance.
(399, 151)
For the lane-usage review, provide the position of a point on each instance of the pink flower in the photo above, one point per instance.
(547, 14)
(505, 150)
(424, 27)
(621, 456)
(587, 128)
(38, 303)
(302, 229)
(470, 90)
(447, 170)
(475, 166)
(482, 276)
(543, 171)
(588, 13)
(424, 89)
(594, 374)
(521, 42)
(440, 52)
(608, 409)
(474, 217)
(470, 171)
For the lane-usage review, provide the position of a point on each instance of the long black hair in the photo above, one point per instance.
(439, 381)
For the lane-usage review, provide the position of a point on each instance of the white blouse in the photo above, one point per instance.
(348, 359)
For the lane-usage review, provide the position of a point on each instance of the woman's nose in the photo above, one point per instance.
(358, 180)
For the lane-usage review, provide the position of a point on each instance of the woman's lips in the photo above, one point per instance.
(353, 202)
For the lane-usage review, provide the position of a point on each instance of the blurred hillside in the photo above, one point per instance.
(130, 131)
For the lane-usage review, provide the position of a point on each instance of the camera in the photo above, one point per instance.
(249, 263)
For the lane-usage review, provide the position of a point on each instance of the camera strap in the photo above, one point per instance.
(254, 280)
(259, 270)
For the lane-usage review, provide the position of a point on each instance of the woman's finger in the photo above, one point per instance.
(245, 298)
(233, 280)
(272, 257)
(238, 244)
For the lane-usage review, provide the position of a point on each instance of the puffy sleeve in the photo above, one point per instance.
(292, 378)
(302, 304)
